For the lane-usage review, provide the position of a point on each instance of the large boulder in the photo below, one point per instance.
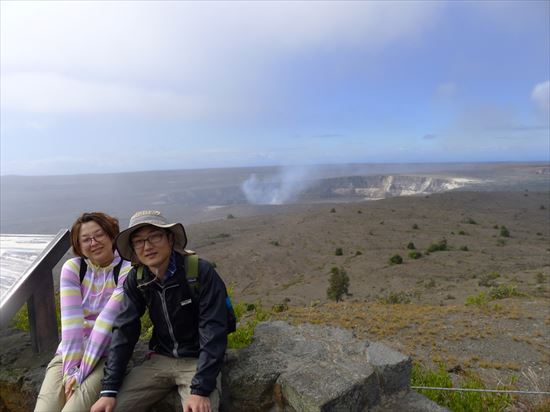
(303, 368)
(309, 368)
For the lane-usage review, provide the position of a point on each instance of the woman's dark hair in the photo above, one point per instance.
(108, 223)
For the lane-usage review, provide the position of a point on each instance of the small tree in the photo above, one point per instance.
(504, 232)
(338, 284)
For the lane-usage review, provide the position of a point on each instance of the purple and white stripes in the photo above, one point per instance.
(87, 314)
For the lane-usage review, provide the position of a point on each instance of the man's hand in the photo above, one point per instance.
(69, 388)
(104, 404)
(196, 403)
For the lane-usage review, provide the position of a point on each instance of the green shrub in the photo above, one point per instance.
(338, 284)
(504, 232)
(495, 293)
(279, 307)
(471, 221)
(21, 319)
(461, 232)
(501, 242)
(333, 210)
(503, 291)
(542, 207)
(275, 243)
(358, 253)
(396, 260)
(439, 246)
(464, 248)
(338, 251)
(395, 298)
(415, 254)
(488, 279)
(540, 277)
(359, 212)
(415, 226)
(230, 216)
(242, 337)
(481, 299)
(411, 245)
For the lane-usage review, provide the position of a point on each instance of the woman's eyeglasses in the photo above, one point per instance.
(153, 239)
(98, 237)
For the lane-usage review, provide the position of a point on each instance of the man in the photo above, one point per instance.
(189, 324)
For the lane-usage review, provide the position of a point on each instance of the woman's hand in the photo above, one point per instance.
(69, 388)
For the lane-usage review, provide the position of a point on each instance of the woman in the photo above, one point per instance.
(90, 296)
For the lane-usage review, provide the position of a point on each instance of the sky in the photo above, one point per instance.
(103, 87)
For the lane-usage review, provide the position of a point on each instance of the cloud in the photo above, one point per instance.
(51, 93)
(156, 57)
(488, 117)
(446, 90)
(429, 137)
(541, 97)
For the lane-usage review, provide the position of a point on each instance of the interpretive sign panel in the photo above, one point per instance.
(26, 263)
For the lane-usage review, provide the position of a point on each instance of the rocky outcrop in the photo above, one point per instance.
(303, 368)
(381, 186)
(309, 368)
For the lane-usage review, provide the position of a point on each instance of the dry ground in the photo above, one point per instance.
(286, 257)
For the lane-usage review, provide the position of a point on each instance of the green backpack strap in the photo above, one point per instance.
(192, 273)
(139, 273)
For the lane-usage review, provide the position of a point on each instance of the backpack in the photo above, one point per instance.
(192, 276)
(84, 268)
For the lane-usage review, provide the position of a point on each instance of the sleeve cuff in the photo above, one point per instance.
(195, 391)
(108, 394)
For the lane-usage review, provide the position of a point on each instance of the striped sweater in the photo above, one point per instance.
(87, 314)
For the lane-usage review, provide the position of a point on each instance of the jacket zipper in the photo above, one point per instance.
(170, 328)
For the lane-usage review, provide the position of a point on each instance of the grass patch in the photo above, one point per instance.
(495, 293)
(459, 401)
(242, 337)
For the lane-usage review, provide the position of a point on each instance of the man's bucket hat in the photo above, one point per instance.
(153, 218)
